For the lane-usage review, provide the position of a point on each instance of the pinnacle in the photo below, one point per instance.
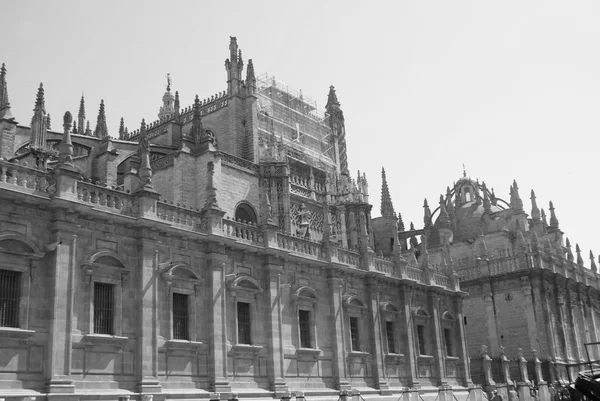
(387, 207)
(39, 101)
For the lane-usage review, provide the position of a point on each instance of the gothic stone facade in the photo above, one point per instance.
(220, 249)
(529, 293)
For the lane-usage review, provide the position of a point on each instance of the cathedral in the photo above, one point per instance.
(221, 251)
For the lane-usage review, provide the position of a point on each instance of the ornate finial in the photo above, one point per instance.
(464, 171)
(426, 214)
(332, 100)
(412, 226)
(444, 218)
(535, 211)
(65, 149)
(145, 171)
(101, 130)
(515, 200)
(177, 101)
(74, 131)
(250, 78)
(88, 130)
(4, 103)
(593, 263)
(553, 219)
(543, 215)
(81, 116)
(39, 101)
(48, 122)
(400, 222)
(570, 257)
(487, 204)
(168, 76)
(122, 129)
(387, 207)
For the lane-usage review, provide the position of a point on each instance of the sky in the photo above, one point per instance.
(510, 89)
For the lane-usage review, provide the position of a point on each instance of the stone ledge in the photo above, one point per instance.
(182, 344)
(393, 357)
(104, 339)
(239, 349)
(10, 332)
(309, 352)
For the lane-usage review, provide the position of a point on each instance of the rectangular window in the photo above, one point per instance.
(181, 317)
(10, 295)
(243, 316)
(448, 341)
(389, 331)
(304, 322)
(421, 339)
(354, 337)
(104, 310)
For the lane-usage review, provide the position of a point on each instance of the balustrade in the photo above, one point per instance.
(414, 273)
(349, 257)
(242, 230)
(178, 215)
(26, 177)
(104, 197)
(300, 245)
(385, 266)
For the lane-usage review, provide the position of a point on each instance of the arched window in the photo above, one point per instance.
(245, 212)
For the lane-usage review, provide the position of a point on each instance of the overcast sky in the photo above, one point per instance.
(511, 89)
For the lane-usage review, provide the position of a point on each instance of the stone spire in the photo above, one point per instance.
(88, 130)
(197, 131)
(426, 214)
(543, 214)
(593, 263)
(48, 122)
(569, 252)
(535, 211)
(444, 218)
(579, 258)
(250, 79)
(5, 113)
(39, 121)
(234, 66)
(515, 200)
(101, 130)
(145, 171)
(177, 106)
(65, 149)
(387, 207)
(81, 116)
(487, 204)
(553, 219)
(450, 204)
(122, 129)
(337, 124)
(74, 127)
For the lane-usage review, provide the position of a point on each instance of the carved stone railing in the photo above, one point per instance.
(300, 245)
(349, 257)
(235, 161)
(441, 280)
(104, 197)
(180, 216)
(39, 182)
(504, 265)
(469, 273)
(242, 231)
(414, 273)
(385, 266)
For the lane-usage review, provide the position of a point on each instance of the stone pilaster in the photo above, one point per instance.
(409, 340)
(490, 316)
(275, 367)
(217, 361)
(377, 348)
(58, 362)
(147, 335)
(340, 373)
(463, 352)
(439, 353)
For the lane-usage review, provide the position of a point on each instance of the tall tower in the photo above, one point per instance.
(234, 66)
(168, 107)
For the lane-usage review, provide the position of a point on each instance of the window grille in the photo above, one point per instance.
(421, 339)
(448, 341)
(243, 315)
(354, 338)
(389, 330)
(10, 295)
(180, 317)
(103, 308)
(304, 322)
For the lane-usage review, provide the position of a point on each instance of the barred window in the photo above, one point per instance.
(243, 316)
(104, 310)
(389, 331)
(304, 322)
(10, 295)
(448, 341)
(354, 336)
(421, 339)
(180, 317)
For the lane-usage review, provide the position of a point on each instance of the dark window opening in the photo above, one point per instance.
(354, 337)
(392, 244)
(304, 322)
(389, 330)
(245, 213)
(421, 339)
(243, 315)
(103, 308)
(448, 341)
(181, 317)
(10, 295)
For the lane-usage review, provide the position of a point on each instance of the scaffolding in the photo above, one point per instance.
(287, 113)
